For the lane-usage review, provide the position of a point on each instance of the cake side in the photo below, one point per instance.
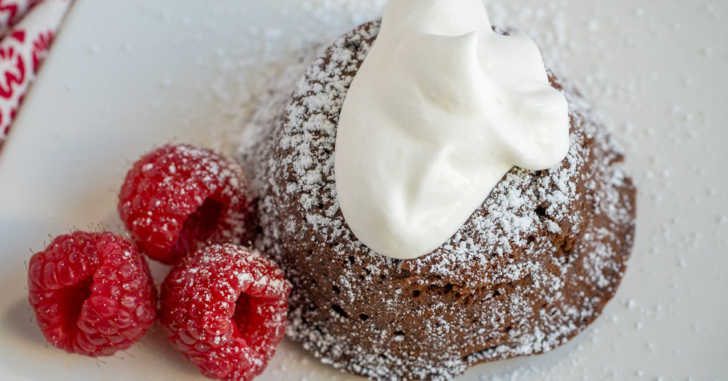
(530, 269)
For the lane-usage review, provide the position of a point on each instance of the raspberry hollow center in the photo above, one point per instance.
(242, 315)
(250, 319)
(71, 302)
(199, 226)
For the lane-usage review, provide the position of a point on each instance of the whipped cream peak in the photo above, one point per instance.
(439, 111)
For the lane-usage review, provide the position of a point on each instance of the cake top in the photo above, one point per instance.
(441, 108)
(300, 152)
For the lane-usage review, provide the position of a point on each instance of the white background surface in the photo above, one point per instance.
(126, 76)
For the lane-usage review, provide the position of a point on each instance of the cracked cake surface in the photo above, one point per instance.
(530, 269)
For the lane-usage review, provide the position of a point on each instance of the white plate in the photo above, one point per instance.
(125, 76)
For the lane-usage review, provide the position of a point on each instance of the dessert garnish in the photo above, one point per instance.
(224, 307)
(439, 111)
(92, 293)
(178, 197)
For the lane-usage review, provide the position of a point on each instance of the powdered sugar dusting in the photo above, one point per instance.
(507, 242)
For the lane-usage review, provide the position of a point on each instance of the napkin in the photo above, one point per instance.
(27, 28)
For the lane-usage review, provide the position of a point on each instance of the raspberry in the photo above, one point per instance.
(224, 307)
(177, 197)
(92, 293)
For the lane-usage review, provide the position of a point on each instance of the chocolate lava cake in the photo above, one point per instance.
(530, 269)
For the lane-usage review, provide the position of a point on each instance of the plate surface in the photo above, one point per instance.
(126, 76)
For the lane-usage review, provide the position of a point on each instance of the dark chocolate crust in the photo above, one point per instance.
(528, 271)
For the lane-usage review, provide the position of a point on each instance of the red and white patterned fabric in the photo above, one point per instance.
(26, 31)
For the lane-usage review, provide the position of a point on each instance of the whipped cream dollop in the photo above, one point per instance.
(439, 111)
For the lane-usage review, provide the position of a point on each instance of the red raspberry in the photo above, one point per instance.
(224, 307)
(92, 293)
(178, 197)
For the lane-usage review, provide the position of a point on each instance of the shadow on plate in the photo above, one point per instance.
(528, 367)
(156, 342)
(20, 320)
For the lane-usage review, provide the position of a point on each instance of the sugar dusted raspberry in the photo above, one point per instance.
(92, 293)
(225, 308)
(179, 196)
